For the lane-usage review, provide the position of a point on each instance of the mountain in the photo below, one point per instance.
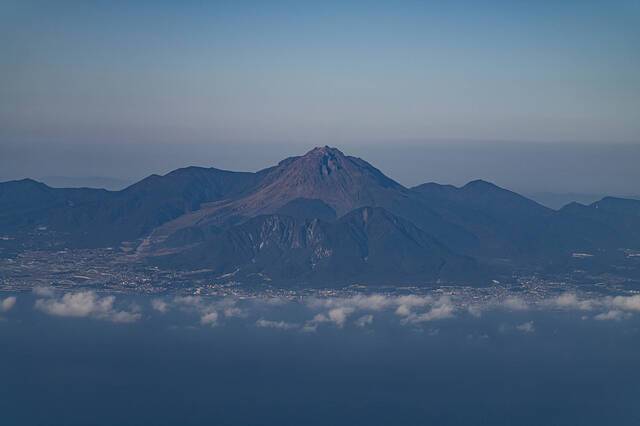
(557, 201)
(326, 175)
(506, 223)
(617, 219)
(342, 182)
(515, 228)
(27, 204)
(111, 184)
(92, 217)
(324, 217)
(307, 208)
(368, 244)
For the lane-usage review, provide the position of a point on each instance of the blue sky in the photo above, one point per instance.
(306, 71)
(302, 73)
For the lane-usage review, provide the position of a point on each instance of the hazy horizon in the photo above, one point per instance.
(420, 90)
(527, 167)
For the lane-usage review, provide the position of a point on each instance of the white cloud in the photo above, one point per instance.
(319, 318)
(188, 301)
(475, 310)
(364, 320)
(515, 303)
(616, 307)
(312, 325)
(413, 309)
(80, 304)
(272, 300)
(440, 312)
(124, 316)
(341, 308)
(437, 313)
(160, 305)
(234, 312)
(403, 311)
(527, 327)
(205, 308)
(86, 304)
(278, 325)
(612, 315)
(627, 303)
(374, 302)
(406, 304)
(42, 291)
(339, 311)
(414, 301)
(339, 315)
(7, 304)
(442, 309)
(210, 318)
(571, 301)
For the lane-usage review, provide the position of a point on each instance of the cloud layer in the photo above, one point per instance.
(357, 310)
(86, 304)
(7, 304)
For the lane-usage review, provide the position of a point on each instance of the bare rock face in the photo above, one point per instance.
(368, 244)
(324, 174)
(342, 182)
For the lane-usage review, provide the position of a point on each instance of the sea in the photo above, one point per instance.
(107, 360)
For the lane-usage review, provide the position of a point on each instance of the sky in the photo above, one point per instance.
(115, 88)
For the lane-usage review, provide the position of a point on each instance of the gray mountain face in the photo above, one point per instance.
(327, 176)
(86, 217)
(321, 217)
(368, 244)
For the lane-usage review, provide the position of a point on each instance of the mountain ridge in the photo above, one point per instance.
(199, 217)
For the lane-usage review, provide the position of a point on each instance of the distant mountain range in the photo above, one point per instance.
(557, 200)
(323, 217)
